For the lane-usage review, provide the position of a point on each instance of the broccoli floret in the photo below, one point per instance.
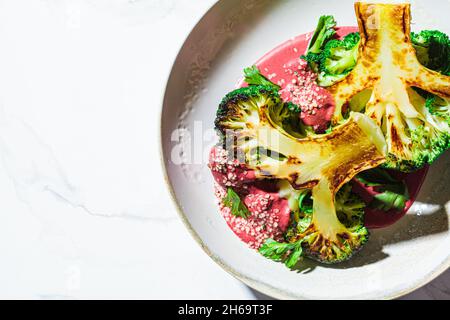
(324, 32)
(349, 207)
(253, 118)
(337, 59)
(416, 127)
(254, 77)
(340, 56)
(349, 229)
(428, 144)
(438, 107)
(421, 139)
(432, 50)
(240, 110)
(286, 118)
(239, 107)
(331, 59)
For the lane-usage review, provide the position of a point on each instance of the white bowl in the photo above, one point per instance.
(233, 35)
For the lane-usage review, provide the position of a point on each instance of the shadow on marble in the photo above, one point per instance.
(259, 296)
(438, 289)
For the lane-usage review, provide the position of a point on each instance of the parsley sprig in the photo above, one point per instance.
(393, 193)
(254, 77)
(233, 201)
(289, 253)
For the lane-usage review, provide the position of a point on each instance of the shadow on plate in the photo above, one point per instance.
(416, 224)
(408, 228)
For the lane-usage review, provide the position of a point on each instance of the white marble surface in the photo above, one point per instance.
(84, 212)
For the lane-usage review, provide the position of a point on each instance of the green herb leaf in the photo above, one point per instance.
(275, 250)
(393, 193)
(289, 253)
(375, 177)
(324, 32)
(295, 256)
(233, 201)
(393, 197)
(254, 77)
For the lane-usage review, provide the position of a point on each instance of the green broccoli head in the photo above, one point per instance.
(337, 59)
(239, 111)
(421, 145)
(427, 137)
(432, 50)
(286, 118)
(418, 141)
(325, 237)
(349, 207)
(324, 32)
(438, 107)
(331, 59)
(239, 108)
(428, 145)
(431, 139)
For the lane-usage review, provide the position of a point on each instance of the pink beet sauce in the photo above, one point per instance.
(269, 213)
(316, 103)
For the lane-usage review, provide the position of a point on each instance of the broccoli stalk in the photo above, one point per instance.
(388, 66)
(320, 163)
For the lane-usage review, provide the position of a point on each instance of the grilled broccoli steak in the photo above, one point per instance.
(248, 120)
(391, 91)
(390, 74)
